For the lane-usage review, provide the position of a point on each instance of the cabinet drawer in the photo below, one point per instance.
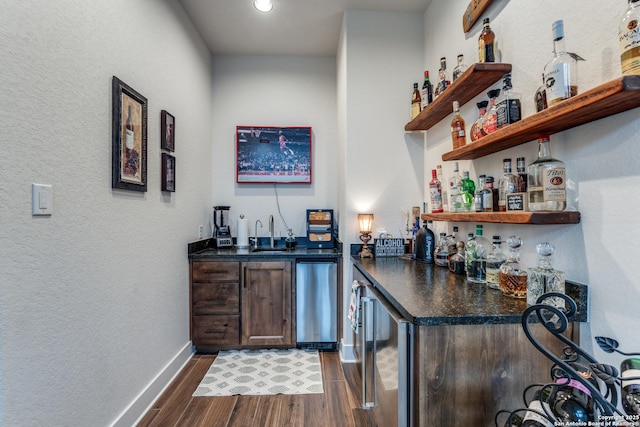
(210, 271)
(216, 330)
(215, 298)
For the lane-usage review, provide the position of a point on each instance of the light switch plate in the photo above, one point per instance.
(41, 199)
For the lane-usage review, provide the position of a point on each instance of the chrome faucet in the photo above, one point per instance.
(255, 240)
(271, 230)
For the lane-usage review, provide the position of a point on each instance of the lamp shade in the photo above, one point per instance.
(365, 221)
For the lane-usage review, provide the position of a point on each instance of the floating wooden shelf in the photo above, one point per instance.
(477, 78)
(566, 217)
(610, 98)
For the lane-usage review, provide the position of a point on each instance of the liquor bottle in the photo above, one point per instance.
(489, 196)
(457, 260)
(477, 196)
(629, 36)
(426, 95)
(538, 411)
(129, 135)
(476, 127)
(522, 175)
(561, 73)
(571, 402)
(443, 83)
(544, 278)
(453, 241)
(508, 106)
(507, 184)
(513, 278)
(441, 253)
(425, 244)
(435, 191)
(460, 68)
(445, 197)
(476, 257)
(547, 188)
(415, 102)
(630, 368)
(540, 98)
(495, 259)
(455, 188)
(487, 43)
(458, 133)
(468, 191)
(490, 119)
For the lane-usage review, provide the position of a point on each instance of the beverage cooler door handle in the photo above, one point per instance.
(368, 324)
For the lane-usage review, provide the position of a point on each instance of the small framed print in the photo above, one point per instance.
(168, 131)
(168, 172)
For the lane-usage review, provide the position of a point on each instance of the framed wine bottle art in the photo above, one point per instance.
(129, 138)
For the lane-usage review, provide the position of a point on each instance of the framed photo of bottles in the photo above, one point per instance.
(168, 172)
(129, 138)
(167, 129)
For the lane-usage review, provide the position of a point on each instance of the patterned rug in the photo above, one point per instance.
(254, 372)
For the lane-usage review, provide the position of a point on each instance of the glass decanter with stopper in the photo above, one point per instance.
(547, 188)
(441, 253)
(476, 257)
(544, 278)
(457, 260)
(495, 259)
(513, 277)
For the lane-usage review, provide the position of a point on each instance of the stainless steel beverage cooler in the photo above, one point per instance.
(317, 303)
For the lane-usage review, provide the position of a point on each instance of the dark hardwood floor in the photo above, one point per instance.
(338, 406)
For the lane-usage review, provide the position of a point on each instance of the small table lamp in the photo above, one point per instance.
(365, 221)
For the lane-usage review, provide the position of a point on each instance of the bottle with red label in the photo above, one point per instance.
(490, 120)
(435, 191)
(476, 128)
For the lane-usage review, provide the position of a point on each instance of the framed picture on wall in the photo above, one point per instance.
(167, 131)
(168, 172)
(273, 155)
(129, 138)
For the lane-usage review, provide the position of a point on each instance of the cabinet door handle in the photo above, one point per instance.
(368, 324)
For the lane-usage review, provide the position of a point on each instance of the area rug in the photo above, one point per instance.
(261, 372)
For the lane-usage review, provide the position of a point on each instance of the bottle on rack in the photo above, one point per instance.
(495, 259)
(630, 368)
(508, 106)
(489, 196)
(460, 68)
(490, 119)
(477, 196)
(629, 36)
(443, 83)
(522, 175)
(425, 244)
(458, 132)
(538, 411)
(457, 260)
(416, 102)
(476, 257)
(435, 191)
(426, 95)
(540, 98)
(487, 43)
(443, 186)
(476, 127)
(513, 277)
(441, 253)
(544, 278)
(547, 188)
(571, 402)
(561, 73)
(507, 184)
(468, 191)
(455, 191)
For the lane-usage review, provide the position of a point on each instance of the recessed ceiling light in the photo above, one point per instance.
(263, 5)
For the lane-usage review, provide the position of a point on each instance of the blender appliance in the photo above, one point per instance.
(222, 232)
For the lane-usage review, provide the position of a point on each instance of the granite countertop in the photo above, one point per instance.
(426, 294)
(205, 249)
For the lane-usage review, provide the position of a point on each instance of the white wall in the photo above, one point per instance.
(94, 299)
(274, 91)
(601, 158)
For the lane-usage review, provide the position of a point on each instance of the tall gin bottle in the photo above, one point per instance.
(507, 184)
(544, 278)
(435, 191)
(443, 183)
(629, 36)
(561, 73)
(547, 189)
(456, 203)
(476, 257)
(495, 259)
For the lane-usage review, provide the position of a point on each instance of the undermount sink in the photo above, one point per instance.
(263, 249)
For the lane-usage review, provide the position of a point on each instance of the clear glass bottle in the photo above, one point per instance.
(490, 119)
(458, 132)
(426, 94)
(435, 193)
(455, 191)
(453, 241)
(468, 191)
(477, 196)
(476, 127)
(540, 98)
(508, 106)
(457, 261)
(629, 36)
(561, 73)
(507, 184)
(416, 102)
(522, 175)
(547, 188)
(489, 198)
(495, 259)
(443, 81)
(441, 253)
(460, 68)
(513, 277)
(487, 43)
(443, 183)
(476, 257)
(544, 278)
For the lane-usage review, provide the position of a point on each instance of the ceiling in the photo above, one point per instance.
(293, 27)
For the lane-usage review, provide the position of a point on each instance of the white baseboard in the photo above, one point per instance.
(143, 402)
(346, 353)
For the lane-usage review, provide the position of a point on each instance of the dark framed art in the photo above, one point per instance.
(273, 155)
(168, 172)
(129, 138)
(167, 131)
